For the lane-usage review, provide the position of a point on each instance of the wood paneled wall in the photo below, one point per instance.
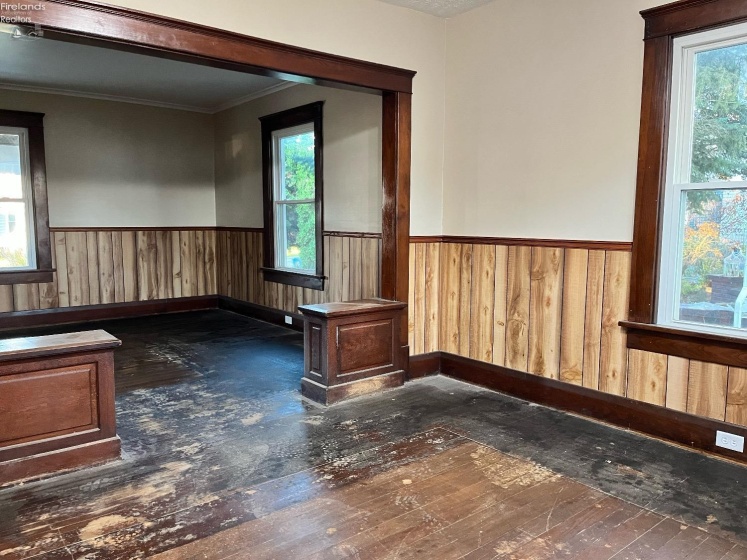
(96, 266)
(111, 266)
(351, 264)
(554, 312)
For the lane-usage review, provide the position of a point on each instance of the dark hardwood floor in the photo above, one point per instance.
(222, 459)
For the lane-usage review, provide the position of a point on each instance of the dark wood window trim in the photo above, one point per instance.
(663, 25)
(34, 124)
(311, 113)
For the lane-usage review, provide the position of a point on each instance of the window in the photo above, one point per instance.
(292, 168)
(25, 253)
(702, 283)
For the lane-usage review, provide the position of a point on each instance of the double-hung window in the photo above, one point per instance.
(703, 264)
(25, 252)
(292, 166)
(17, 250)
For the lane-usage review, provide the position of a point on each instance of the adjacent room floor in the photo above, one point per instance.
(222, 459)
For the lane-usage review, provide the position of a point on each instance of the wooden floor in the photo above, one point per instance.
(454, 499)
(224, 460)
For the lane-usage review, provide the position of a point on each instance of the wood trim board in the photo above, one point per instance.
(17, 320)
(524, 242)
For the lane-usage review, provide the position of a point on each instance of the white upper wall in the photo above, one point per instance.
(121, 164)
(351, 149)
(542, 117)
(364, 29)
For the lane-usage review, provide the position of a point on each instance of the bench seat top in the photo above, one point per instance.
(23, 348)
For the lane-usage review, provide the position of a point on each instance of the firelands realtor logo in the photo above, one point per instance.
(18, 13)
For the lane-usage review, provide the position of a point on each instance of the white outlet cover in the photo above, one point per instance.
(288, 320)
(730, 441)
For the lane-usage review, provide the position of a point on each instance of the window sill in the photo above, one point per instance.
(309, 281)
(27, 277)
(704, 347)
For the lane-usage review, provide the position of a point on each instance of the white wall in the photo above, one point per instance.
(364, 29)
(542, 117)
(352, 158)
(120, 164)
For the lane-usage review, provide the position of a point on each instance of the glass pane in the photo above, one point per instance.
(11, 184)
(297, 167)
(13, 235)
(298, 236)
(714, 234)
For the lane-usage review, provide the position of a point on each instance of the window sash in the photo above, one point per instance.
(279, 202)
(679, 170)
(27, 199)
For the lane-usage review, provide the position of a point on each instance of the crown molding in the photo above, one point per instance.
(138, 101)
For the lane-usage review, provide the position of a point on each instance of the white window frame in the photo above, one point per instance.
(278, 202)
(27, 197)
(679, 160)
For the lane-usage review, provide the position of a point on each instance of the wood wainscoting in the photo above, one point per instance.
(352, 262)
(97, 266)
(555, 312)
(117, 265)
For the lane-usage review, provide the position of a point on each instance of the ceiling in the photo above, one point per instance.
(60, 67)
(440, 8)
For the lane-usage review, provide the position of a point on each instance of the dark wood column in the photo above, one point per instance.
(396, 155)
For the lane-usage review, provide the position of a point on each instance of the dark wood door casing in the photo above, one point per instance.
(126, 29)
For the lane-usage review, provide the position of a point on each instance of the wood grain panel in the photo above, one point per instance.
(613, 351)
(432, 297)
(106, 266)
(465, 286)
(118, 266)
(482, 304)
(736, 397)
(517, 307)
(417, 286)
(647, 377)
(451, 261)
(129, 265)
(61, 274)
(356, 269)
(499, 305)
(706, 394)
(678, 372)
(593, 318)
(574, 312)
(371, 265)
(92, 254)
(164, 264)
(545, 311)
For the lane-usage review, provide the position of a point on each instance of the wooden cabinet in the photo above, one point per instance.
(351, 349)
(56, 403)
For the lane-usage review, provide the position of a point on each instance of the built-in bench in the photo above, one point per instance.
(56, 403)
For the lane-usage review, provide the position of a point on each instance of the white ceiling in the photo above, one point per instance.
(440, 8)
(47, 65)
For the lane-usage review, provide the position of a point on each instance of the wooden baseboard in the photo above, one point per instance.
(266, 314)
(70, 458)
(86, 313)
(685, 429)
(423, 365)
(67, 315)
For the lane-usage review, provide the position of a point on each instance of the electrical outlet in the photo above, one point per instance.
(730, 441)
(288, 320)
